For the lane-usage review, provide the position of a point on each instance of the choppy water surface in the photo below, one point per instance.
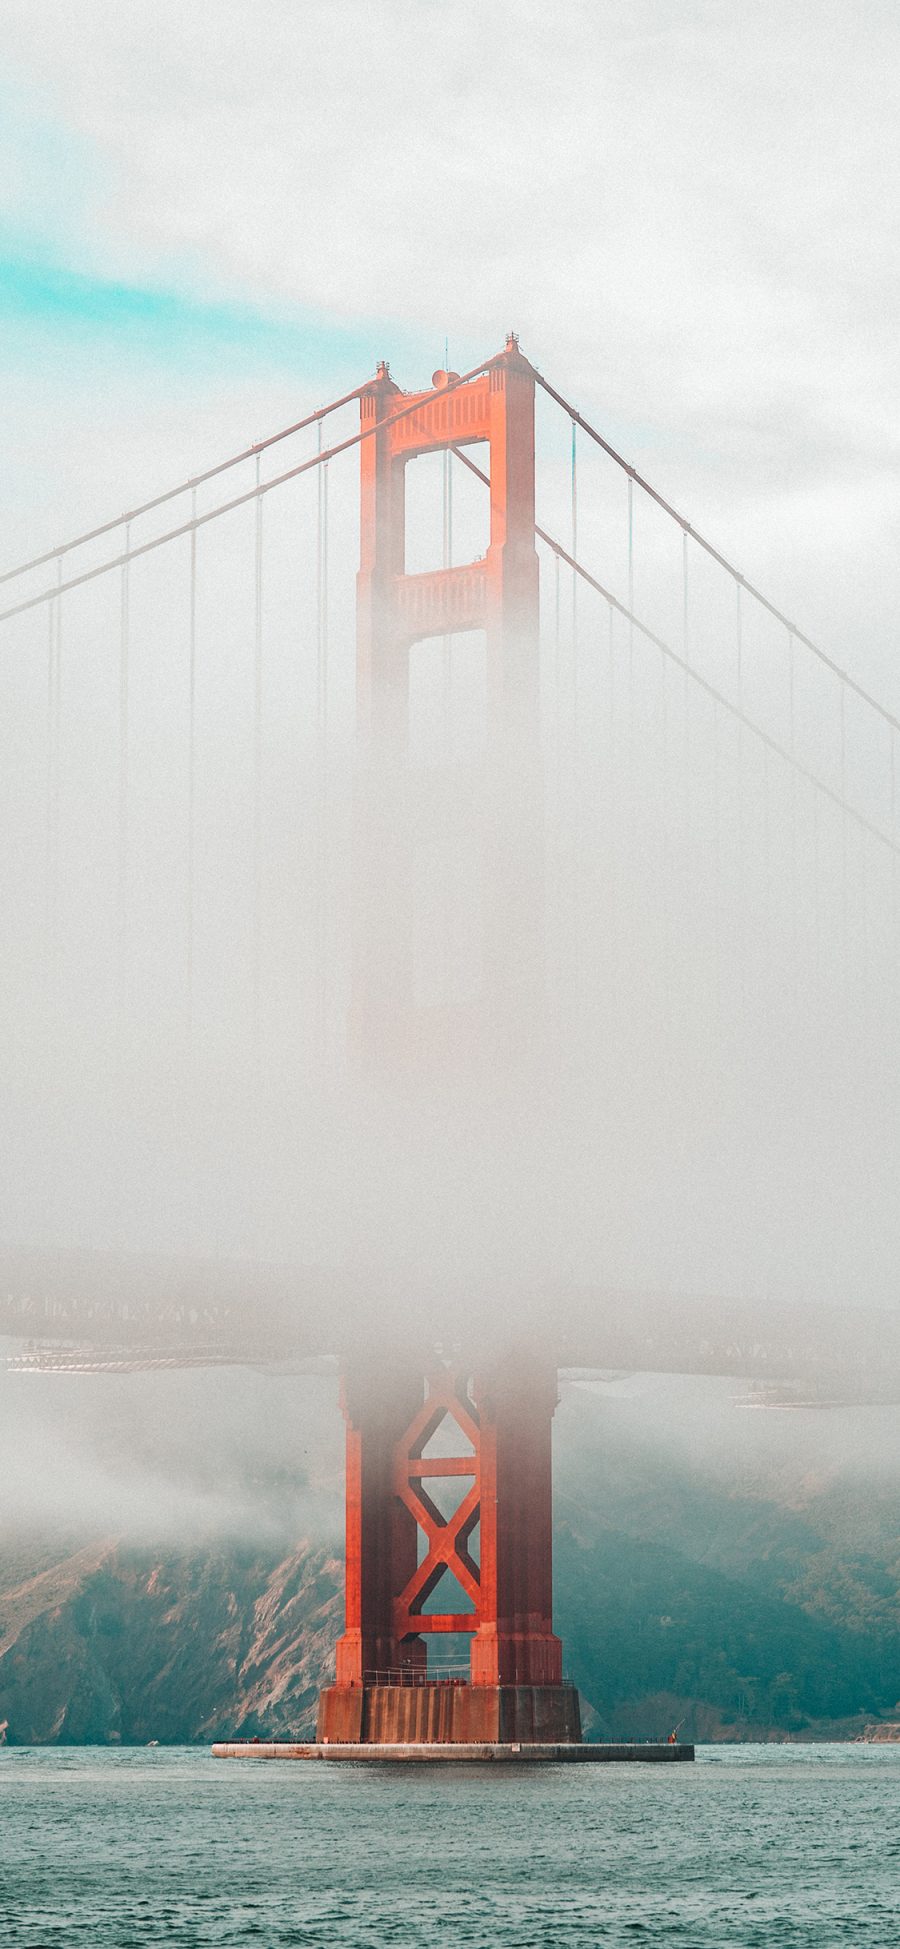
(776, 1846)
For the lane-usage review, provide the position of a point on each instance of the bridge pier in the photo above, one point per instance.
(484, 1534)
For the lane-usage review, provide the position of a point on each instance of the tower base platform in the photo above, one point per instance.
(510, 1752)
(433, 1712)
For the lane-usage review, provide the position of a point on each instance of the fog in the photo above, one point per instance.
(478, 1016)
(166, 1459)
(255, 1458)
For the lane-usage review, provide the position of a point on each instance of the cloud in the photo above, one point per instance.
(700, 193)
(687, 212)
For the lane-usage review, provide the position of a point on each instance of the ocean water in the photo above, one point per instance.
(756, 1845)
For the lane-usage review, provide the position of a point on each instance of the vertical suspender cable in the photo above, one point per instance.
(445, 507)
(574, 538)
(611, 645)
(325, 602)
(573, 767)
(685, 598)
(574, 515)
(792, 746)
(557, 707)
(843, 731)
(319, 590)
(629, 699)
(893, 759)
(555, 769)
(258, 1066)
(54, 650)
(767, 854)
(447, 928)
(257, 757)
(447, 562)
(449, 510)
(613, 822)
(865, 980)
(717, 866)
(739, 770)
(845, 892)
(686, 694)
(817, 919)
(663, 781)
(323, 612)
(192, 763)
(322, 741)
(325, 721)
(322, 602)
(685, 608)
(122, 902)
(51, 693)
(792, 706)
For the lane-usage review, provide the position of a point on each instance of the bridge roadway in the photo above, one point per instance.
(106, 1309)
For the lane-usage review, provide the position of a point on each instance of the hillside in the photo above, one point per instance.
(113, 1644)
(747, 1581)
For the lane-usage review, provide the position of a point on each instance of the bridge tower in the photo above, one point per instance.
(477, 1520)
(498, 594)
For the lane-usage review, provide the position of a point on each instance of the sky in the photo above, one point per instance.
(211, 218)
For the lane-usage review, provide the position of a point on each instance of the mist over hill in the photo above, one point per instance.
(737, 1569)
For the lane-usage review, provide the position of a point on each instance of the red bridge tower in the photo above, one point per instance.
(494, 1539)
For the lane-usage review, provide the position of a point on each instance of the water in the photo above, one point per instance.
(777, 1846)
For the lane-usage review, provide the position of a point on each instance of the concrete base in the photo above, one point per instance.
(515, 1754)
(448, 1712)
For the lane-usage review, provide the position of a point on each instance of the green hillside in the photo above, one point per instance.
(742, 1575)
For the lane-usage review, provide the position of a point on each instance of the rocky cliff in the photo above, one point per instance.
(113, 1644)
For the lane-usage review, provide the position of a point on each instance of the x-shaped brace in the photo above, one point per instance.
(447, 1537)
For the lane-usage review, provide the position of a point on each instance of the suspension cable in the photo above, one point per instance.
(808, 644)
(322, 607)
(54, 664)
(251, 494)
(185, 487)
(196, 480)
(446, 563)
(257, 758)
(123, 807)
(192, 764)
(574, 526)
(718, 696)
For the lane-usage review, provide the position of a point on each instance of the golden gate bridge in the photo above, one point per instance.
(677, 808)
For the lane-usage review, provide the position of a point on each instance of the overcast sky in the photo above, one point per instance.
(210, 216)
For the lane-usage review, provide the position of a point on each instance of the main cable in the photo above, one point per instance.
(242, 500)
(185, 487)
(690, 670)
(686, 527)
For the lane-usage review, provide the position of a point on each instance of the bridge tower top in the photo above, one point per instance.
(498, 593)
